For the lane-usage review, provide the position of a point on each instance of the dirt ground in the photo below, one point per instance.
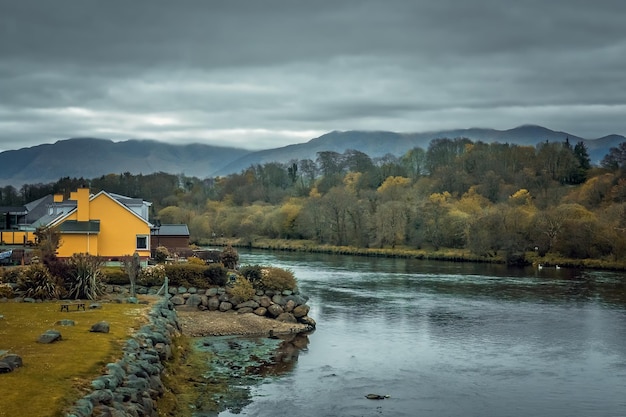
(216, 323)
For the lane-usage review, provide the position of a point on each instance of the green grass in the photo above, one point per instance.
(55, 375)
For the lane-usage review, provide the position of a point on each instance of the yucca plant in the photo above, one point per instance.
(36, 281)
(85, 280)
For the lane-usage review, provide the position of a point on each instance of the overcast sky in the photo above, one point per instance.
(260, 74)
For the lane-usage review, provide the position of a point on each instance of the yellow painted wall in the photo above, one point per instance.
(118, 231)
(16, 237)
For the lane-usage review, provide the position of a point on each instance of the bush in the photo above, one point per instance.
(6, 291)
(194, 260)
(152, 275)
(161, 254)
(85, 279)
(229, 257)
(242, 289)
(114, 275)
(12, 274)
(277, 279)
(36, 281)
(253, 273)
(216, 274)
(186, 275)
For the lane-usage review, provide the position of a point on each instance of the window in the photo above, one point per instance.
(142, 242)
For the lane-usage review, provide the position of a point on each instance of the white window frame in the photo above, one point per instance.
(146, 237)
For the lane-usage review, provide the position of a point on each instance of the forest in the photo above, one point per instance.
(488, 199)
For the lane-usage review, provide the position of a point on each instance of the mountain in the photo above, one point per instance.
(90, 158)
(377, 144)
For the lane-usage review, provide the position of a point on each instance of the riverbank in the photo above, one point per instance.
(445, 254)
(197, 323)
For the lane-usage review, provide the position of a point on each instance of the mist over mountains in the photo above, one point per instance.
(90, 157)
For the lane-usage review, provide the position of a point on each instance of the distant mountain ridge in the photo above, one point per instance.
(378, 143)
(91, 158)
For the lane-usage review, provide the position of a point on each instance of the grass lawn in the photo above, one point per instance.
(55, 375)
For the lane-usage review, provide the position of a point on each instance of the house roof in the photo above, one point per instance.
(91, 198)
(74, 226)
(171, 230)
(13, 209)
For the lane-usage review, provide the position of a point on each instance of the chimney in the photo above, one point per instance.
(81, 196)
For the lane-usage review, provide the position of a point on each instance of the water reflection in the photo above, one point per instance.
(237, 364)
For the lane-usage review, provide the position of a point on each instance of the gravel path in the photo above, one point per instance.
(216, 323)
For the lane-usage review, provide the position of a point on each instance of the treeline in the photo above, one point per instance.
(488, 198)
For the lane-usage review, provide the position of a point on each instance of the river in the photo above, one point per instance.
(440, 339)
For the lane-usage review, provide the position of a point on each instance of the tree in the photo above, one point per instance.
(414, 162)
(443, 152)
(329, 162)
(132, 266)
(616, 157)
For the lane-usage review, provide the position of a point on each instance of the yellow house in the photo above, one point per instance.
(105, 225)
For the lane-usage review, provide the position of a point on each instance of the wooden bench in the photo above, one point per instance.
(66, 306)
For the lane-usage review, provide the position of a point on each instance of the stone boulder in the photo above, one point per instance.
(100, 327)
(65, 322)
(301, 311)
(308, 321)
(194, 300)
(225, 306)
(50, 336)
(213, 303)
(265, 301)
(178, 300)
(247, 304)
(289, 306)
(275, 310)
(261, 311)
(286, 318)
(9, 363)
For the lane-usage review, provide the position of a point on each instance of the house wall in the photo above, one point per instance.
(172, 243)
(78, 243)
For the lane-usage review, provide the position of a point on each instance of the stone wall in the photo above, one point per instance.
(132, 385)
(285, 306)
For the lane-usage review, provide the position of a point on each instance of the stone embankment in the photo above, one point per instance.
(132, 385)
(285, 306)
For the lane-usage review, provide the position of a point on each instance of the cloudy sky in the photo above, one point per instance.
(261, 74)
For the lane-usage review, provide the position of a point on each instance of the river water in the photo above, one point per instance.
(440, 339)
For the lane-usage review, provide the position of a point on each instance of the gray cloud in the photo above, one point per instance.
(265, 74)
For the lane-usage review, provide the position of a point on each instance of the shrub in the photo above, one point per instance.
(253, 273)
(187, 275)
(6, 291)
(85, 279)
(216, 274)
(161, 254)
(194, 260)
(152, 275)
(114, 275)
(36, 281)
(12, 274)
(277, 279)
(242, 289)
(229, 257)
